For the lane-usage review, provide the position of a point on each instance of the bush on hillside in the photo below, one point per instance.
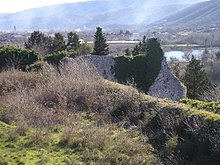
(17, 58)
(142, 69)
(54, 59)
(208, 106)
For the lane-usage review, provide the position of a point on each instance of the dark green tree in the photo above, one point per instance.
(73, 44)
(140, 48)
(127, 52)
(142, 69)
(17, 58)
(56, 43)
(100, 45)
(196, 79)
(38, 42)
(145, 69)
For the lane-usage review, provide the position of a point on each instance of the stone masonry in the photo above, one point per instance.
(166, 84)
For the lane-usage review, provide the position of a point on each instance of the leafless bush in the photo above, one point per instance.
(74, 88)
(13, 80)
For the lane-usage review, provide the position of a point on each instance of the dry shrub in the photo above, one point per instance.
(77, 87)
(13, 80)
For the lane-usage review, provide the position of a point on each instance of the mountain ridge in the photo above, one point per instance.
(91, 14)
(201, 14)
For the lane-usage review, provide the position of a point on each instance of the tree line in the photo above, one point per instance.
(51, 48)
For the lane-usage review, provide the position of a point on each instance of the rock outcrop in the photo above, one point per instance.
(167, 85)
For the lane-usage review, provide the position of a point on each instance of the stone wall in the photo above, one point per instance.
(104, 64)
(165, 86)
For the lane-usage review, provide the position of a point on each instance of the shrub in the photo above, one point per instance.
(13, 80)
(17, 58)
(55, 58)
(207, 106)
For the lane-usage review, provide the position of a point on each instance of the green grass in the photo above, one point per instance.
(16, 149)
(85, 145)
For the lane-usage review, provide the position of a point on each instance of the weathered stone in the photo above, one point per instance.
(167, 85)
(104, 64)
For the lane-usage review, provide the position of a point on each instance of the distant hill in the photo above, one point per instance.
(204, 13)
(92, 13)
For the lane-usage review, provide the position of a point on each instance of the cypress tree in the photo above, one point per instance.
(100, 45)
(196, 79)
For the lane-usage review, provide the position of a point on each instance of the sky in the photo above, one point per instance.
(12, 6)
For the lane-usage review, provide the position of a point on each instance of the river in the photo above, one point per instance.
(179, 54)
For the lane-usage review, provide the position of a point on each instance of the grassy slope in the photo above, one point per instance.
(86, 145)
(208, 116)
(13, 148)
(51, 149)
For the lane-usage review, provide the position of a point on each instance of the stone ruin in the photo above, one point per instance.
(166, 84)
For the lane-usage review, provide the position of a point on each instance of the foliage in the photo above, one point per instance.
(154, 56)
(38, 42)
(142, 69)
(128, 52)
(196, 79)
(73, 44)
(17, 58)
(44, 44)
(140, 48)
(57, 43)
(100, 45)
(207, 106)
(55, 58)
(85, 49)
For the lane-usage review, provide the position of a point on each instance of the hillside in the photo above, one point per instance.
(80, 118)
(201, 14)
(91, 14)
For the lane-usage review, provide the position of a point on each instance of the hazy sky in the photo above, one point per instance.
(11, 6)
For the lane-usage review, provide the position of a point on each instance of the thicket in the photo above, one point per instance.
(140, 69)
(17, 58)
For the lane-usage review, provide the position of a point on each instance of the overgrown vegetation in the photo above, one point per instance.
(142, 69)
(15, 57)
(207, 106)
(76, 117)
